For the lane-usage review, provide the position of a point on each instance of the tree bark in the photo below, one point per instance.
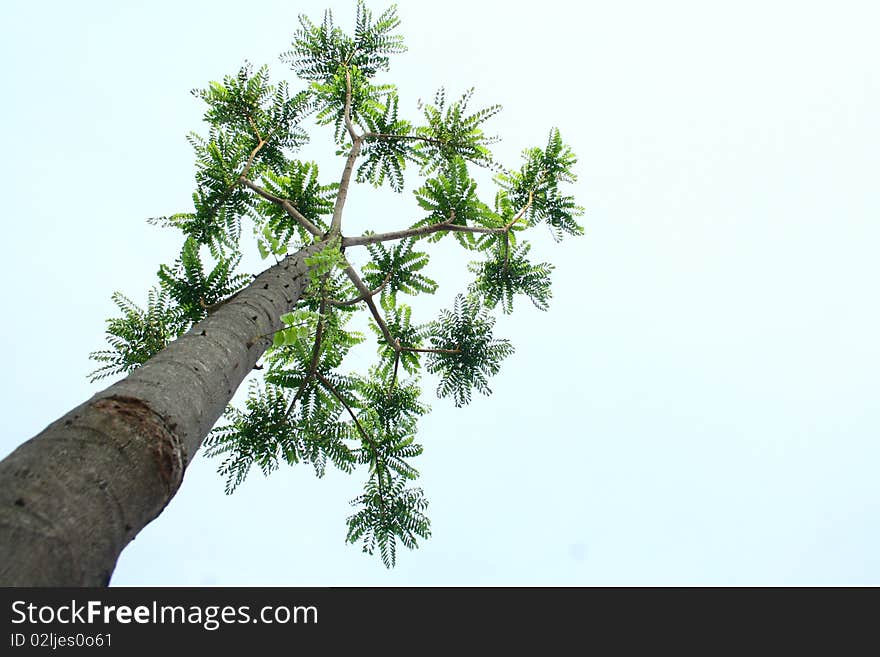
(76, 494)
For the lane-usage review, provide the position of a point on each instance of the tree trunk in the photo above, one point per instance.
(72, 497)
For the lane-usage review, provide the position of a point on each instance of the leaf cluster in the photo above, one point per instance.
(451, 133)
(509, 273)
(536, 186)
(451, 197)
(466, 330)
(139, 334)
(398, 269)
(299, 184)
(389, 511)
(265, 433)
(319, 51)
(195, 291)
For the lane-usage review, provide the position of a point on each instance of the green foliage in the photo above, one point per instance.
(536, 187)
(247, 105)
(451, 133)
(366, 99)
(389, 512)
(195, 292)
(219, 200)
(508, 273)
(333, 61)
(323, 264)
(319, 51)
(292, 355)
(385, 157)
(266, 432)
(298, 183)
(308, 408)
(398, 270)
(393, 409)
(398, 320)
(139, 334)
(452, 197)
(465, 330)
(252, 125)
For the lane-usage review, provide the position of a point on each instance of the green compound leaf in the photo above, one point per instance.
(389, 512)
(466, 330)
(536, 187)
(451, 133)
(194, 291)
(508, 273)
(139, 334)
(397, 269)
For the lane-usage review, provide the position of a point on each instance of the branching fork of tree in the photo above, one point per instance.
(72, 497)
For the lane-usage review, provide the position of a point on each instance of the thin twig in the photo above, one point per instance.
(360, 429)
(394, 374)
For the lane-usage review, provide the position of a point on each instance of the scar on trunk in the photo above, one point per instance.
(167, 447)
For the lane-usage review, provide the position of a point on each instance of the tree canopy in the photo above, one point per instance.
(307, 407)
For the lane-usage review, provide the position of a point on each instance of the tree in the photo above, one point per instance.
(74, 495)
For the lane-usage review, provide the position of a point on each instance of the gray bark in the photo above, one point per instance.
(75, 495)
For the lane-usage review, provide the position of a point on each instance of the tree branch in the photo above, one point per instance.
(363, 240)
(383, 135)
(358, 299)
(254, 126)
(365, 293)
(327, 384)
(285, 204)
(342, 193)
(431, 351)
(346, 112)
(356, 143)
(316, 353)
(250, 160)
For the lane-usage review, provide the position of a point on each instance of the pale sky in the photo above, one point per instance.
(699, 405)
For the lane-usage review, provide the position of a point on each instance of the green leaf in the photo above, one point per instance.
(299, 184)
(385, 154)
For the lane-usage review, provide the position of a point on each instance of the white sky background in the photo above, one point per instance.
(699, 405)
